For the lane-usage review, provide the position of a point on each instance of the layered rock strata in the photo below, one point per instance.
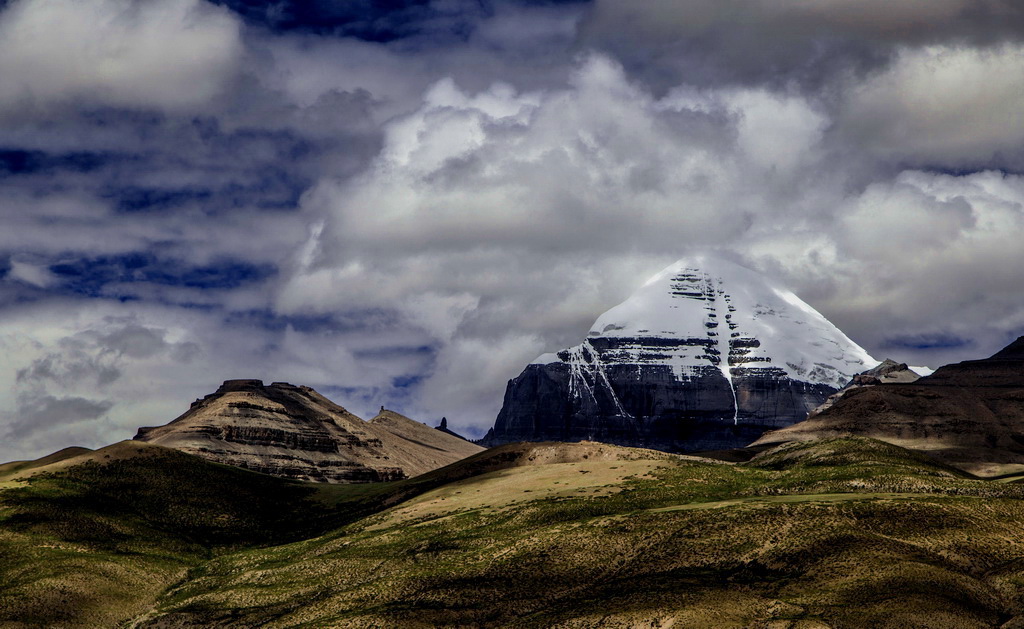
(707, 355)
(294, 432)
(970, 414)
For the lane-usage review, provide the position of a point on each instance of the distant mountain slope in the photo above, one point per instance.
(888, 371)
(418, 447)
(970, 414)
(706, 355)
(294, 432)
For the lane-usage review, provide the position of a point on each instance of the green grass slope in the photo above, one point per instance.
(8, 470)
(840, 533)
(91, 538)
(88, 539)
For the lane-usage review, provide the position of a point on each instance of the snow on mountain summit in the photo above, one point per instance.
(707, 311)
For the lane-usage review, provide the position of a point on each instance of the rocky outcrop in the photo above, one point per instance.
(418, 447)
(888, 371)
(969, 414)
(707, 355)
(443, 427)
(294, 432)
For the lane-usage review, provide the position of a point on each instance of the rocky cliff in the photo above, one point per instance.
(969, 414)
(706, 355)
(294, 432)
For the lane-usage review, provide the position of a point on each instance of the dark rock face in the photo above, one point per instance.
(1013, 352)
(969, 414)
(887, 372)
(650, 407)
(294, 432)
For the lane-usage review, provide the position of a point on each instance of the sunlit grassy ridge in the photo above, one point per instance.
(92, 540)
(844, 533)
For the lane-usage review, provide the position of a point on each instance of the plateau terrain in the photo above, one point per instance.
(846, 532)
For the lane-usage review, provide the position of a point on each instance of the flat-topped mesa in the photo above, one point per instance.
(243, 385)
(706, 355)
(294, 432)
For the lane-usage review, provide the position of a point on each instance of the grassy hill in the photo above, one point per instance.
(90, 538)
(842, 533)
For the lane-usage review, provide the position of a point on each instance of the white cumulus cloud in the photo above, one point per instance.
(166, 54)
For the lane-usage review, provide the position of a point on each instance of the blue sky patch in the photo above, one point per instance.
(147, 199)
(375, 20)
(89, 276)
(927, 341)
(370, 20)
(404, 382)
(23, 162)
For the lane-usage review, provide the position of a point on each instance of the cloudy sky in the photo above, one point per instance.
(402, 202)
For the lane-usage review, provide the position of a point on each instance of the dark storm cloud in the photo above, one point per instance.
(47, 413)
(778, 41)
(74, 364)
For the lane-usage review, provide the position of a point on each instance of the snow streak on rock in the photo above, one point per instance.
(706, 311)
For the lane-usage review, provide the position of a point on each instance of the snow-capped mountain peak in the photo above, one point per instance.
(708, 311)
(706, 355)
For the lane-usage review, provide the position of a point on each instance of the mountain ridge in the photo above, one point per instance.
(294, 432)
(970, 414)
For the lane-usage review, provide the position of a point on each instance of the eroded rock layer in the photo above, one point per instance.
(969, 414)
(294, 432)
